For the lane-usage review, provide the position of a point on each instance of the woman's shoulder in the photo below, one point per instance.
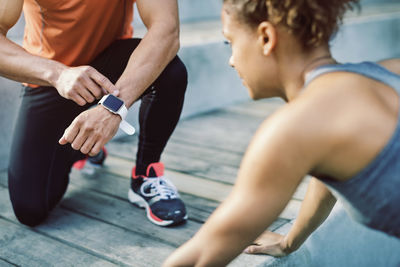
(392, 65)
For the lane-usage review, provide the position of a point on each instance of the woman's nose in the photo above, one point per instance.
(231, 63)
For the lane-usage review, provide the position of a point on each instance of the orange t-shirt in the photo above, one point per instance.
(74, 32)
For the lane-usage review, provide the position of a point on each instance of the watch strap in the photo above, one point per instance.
(126, 127)
(123, 111)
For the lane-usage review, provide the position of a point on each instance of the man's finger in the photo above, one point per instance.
(78, 99)
(102, 81)
(62, 141)
(96, 149)
(69, 135)
(93, 87)
(85, 94)
(88, 145)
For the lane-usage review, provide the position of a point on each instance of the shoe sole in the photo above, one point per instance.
(137, 200)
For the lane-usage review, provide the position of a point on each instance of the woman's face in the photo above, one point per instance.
(247, 54)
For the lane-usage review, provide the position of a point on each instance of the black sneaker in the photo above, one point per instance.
(158, 196)
(89, 164)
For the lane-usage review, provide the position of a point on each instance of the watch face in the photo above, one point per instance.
(113, 103)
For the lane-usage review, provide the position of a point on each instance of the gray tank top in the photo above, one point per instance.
(372, 197)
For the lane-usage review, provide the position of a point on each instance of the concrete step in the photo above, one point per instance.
(371, 35)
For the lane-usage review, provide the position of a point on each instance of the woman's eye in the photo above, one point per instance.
(227, 43)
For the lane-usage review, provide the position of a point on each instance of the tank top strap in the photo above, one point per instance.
(368, 69)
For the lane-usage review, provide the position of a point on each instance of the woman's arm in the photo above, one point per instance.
(315, 208)
(276, 161)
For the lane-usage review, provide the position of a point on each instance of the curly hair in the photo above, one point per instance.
(312, 21)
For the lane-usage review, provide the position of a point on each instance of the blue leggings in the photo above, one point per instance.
(39, 167)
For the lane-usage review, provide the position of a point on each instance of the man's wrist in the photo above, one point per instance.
(109, 112)
(127, 92)
(53, 73)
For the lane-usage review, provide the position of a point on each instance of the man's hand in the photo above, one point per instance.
(91, 130)
(83, 85)
(269, 243)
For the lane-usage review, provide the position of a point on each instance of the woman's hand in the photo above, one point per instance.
(269, 243)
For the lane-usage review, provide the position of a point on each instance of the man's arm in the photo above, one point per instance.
(157, 48)
(80, 84)
(92, 129)
(16, 63)
(315, 208)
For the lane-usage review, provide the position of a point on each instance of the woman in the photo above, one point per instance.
(341, 125)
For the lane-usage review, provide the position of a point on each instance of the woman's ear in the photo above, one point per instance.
(267, 37)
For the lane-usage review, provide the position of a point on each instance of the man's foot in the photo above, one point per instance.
(89, 164)
(158, 196)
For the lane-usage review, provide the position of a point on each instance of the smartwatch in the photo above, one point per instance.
(116, 105)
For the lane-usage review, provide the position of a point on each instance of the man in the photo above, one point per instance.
(74, 52)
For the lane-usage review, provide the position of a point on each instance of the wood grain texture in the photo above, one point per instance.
(95, 225)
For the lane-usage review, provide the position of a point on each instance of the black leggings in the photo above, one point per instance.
(38, 172)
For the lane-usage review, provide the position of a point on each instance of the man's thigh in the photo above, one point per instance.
(114, 59)
(39, 166)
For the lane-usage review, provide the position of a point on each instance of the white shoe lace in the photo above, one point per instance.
(159, 186)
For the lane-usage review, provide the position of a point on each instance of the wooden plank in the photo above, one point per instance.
(197, 186)
(174, 161)
(218, 130)
(111, 243)
(114, 191)
(193, 155)
(260, 108)
(22, 246)
(4, 263)
(127, 148)
(115, 212)
(219, 138)
(198, 208)
(124, 215)
(190, 169)
(185, 183)
(291, 210)
(302, 189)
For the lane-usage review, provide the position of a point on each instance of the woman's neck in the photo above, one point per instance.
(294, 72)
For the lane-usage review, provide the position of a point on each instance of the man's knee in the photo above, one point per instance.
(175, 74)
(28, 204)
(28, 214)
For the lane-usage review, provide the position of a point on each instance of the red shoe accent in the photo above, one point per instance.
(158, 168)
(154, 217)
(80, 164)
(133, 174)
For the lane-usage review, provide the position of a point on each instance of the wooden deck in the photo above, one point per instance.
(95, 225)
